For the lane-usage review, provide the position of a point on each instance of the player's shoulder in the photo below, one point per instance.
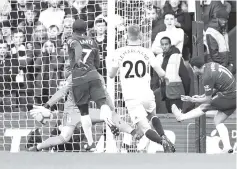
(209, 69)
(71, 41)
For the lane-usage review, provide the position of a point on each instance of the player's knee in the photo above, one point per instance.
(150, 116)
(219, 118)
(101, 102)
(84, 109)
(144, 125)
(66, 134)
(105, 112)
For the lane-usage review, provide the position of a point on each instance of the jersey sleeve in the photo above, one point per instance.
(72, 43)
(156, 64)
(116, 61)
(208, 84)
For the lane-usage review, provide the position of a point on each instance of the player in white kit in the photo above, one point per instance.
(133, 63)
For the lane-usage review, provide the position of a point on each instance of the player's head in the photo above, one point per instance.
(165, 43)
(134, 33)
(198, 64)
(79, 26)
(169, 19)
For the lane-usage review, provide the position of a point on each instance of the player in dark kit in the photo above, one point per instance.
(220, 95)
(84, 61)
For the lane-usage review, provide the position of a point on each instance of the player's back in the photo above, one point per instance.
(134, 71)
(87, 69)
(223, 79)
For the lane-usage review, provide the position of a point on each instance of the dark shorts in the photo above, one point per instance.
(90, 91)
(224, 103)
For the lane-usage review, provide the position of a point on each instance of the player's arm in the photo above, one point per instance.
(156, 48)
(77, 48)
(155, 64)
(208, 87)
(60, 93)
(114, 65)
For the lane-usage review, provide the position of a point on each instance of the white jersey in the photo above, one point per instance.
(133, 63)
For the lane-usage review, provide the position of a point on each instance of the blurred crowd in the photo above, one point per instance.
(33, 36)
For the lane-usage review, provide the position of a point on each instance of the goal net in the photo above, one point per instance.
(40, 55)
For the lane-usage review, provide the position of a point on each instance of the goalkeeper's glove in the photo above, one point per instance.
(41, 114)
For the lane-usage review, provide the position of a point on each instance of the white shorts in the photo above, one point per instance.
(138, 109)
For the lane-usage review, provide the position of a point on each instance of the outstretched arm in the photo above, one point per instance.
(60, 93)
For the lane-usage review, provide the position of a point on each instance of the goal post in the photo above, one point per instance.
(198, 51)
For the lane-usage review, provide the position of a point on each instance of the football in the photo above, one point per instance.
(43, 118)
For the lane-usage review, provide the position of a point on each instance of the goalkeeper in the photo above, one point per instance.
(72, 118)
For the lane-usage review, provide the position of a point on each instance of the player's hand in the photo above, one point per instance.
(186, 98)
(39, 109)
(62, 84)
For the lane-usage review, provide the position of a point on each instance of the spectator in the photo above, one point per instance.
(104, 7)
(67, 29)
(88, 10)
(17, 14)
(101, 39)
(217, 40)
(176, 72)
(25, 75)
(8, 72)
(175, 34)
(54, 36)
(209, 11)
(182, 19)
(6, 32)
(48, 69)
(28, 23)
(68, 8)
(39, 37)
(5, 11)
(53, 15)
(155, 15)
(184, 6)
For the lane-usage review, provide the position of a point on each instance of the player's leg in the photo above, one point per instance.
(97, 94)
(86, 124)
(150, 107)
(226, 106)
(223, 131)
(64, 137)
(70, 120)
(197, 112)
(82, 98)
(121, 124)
(138, 116)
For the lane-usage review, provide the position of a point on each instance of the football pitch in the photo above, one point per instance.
(25, 160)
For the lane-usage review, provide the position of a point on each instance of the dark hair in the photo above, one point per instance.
(167, 38)
(100, 20)
(197, 61)
(17, 30)
(169, 13)
(5, 24)
(2, 41)
(54, 26)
